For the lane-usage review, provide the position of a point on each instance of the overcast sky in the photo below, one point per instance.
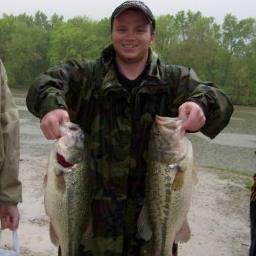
(97, 9)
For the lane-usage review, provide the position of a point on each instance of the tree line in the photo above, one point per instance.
(224, 53)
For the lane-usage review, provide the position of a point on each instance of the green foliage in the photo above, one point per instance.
(23, 48)
(224, 53)
(77, 38)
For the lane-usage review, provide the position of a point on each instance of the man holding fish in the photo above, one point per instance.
(116, 100)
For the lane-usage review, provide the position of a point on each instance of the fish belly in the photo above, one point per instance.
(168, 197)
(66, 204)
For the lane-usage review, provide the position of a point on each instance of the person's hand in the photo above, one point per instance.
(10, 216)
(192, 115)
(50, 123)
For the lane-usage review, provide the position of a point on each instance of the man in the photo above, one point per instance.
(10, 187)
(114, 99)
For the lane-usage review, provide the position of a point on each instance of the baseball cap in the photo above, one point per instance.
(134, 5)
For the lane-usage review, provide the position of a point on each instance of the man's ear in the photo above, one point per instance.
(152, 38)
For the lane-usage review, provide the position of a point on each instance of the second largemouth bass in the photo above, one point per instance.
(169, 183)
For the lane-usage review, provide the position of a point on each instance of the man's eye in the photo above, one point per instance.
(121, 30)
(140, 30)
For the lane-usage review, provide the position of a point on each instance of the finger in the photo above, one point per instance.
(44, 128)
(196, 119)
(14, 223)
(183, 113)
(55, 129)
(59, 117)
(188, 121)
(10, 222)
(5, 222)
(50, 128)
(15, 220)
(194, 122)
(185, 125)
(65, 117)
(47, 132)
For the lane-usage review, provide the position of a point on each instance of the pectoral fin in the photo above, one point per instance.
(144, 229)
(184, 233)
(53, 235)
(45, 180)
(194, 176)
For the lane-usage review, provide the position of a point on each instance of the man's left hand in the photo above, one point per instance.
(10, 216)
(192, 115)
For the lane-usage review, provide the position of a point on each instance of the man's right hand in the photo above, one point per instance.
(9, 215)
(50, 123)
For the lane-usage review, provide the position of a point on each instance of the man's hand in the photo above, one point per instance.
(192, 115)
(50, 123)
(10, 216)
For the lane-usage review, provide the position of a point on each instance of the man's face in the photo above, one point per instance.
(132, 36)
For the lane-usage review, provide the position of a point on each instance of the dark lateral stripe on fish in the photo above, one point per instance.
(62, 161)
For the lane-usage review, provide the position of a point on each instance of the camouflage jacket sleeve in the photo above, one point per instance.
(50, 88)
(10, 187)
(216, 105)
(48, 91)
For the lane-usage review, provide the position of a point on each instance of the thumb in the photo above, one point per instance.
(65, 117)
(183, 113)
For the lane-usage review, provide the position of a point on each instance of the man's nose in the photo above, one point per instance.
(130, 35)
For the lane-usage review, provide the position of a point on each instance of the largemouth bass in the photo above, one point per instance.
(169, 182)
(66, 191)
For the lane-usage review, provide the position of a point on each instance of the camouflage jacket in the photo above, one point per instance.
(10, 187)
(117, 124)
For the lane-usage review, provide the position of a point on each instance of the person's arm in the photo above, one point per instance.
(215, 107)
(49, 89)
(47, 99)
(10, 186)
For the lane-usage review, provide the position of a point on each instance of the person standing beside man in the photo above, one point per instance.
(10, 186)
(114, 99)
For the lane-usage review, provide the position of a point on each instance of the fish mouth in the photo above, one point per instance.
(73, 127)
(62, 161)
(171, 123)
(72, 136)
(70, 129)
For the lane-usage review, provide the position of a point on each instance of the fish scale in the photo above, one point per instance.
(169, 183)
(66, 196)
